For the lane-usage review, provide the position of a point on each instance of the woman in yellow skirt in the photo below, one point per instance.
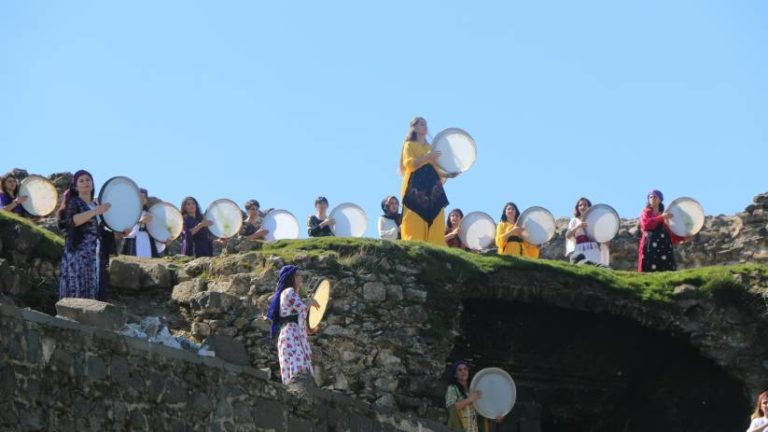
(508, 235)
(424, 199)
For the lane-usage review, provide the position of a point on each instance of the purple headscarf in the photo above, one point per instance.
(273, 313)
(77, 175)
(657, 193)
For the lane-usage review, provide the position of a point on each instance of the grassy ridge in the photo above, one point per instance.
(440, 266)
(49, 245)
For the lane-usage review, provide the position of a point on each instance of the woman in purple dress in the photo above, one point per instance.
(83, 264)
(9, 195)
(196, 239)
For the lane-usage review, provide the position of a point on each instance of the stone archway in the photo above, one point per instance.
(582, 371)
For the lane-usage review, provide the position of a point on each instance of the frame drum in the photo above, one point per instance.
(477, 231)
(602, 223)
(226, 217)
(281, 224)
(458, 150)
(42, 196)
(539, 225)
(498, 390)
(686, 217)
(124, 196)
(167, 222)
(350, 220)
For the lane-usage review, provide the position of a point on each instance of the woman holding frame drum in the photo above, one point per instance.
(578, 246)
(508, 235)
(459, 401)
(9, 195)
(452, 228)
(252, 229)
(288, 314)
(424, 198)
(655, 252)
(319, 224)
(88, 244)
(138, 242)
(196, 240)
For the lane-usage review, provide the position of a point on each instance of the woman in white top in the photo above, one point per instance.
(389, 222)
(760, 416)
(578, 246)
(138, 242)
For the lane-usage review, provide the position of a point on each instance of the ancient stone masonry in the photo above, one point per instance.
(62, 376)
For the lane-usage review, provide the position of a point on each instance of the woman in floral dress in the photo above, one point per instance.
(288, 314)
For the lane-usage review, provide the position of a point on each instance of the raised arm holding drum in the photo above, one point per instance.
(461, 401)
(9, 195)
(589, 233)
(655, 252)
(509, 236)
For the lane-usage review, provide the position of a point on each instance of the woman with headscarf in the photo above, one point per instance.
(459, 401)
(424, 199)
(138, 242)
(288, 314)
(655, 252)
(9, 195)
(87, 244)
(389, 221)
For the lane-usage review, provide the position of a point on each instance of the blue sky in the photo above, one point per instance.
(283, 101)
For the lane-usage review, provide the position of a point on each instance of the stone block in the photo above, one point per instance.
(92, 312)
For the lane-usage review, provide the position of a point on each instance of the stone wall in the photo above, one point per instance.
(61, 376)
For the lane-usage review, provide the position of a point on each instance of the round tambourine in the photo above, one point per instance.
(281, 224)
(539, 225)
(167, 222)
(602, 223)
(458, 150)
(226, 217)
(42, 196)
(498, 391)
(686, 217)
(477, 231)
(124, 196)
(350, 220)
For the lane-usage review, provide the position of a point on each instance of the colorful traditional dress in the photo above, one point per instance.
(655, 252)
(293, 347)
(5, 200)
(82, 264)
(423, 197)
(315, 230)
(514, 245)
(467, 417)
(197, 245)
(581, 249)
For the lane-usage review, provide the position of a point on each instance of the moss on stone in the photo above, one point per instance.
(50, 245)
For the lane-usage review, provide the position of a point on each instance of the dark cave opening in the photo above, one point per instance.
(586, 372)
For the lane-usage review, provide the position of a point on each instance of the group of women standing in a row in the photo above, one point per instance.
(423, 218)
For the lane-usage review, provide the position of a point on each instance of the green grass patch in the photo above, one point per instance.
(49, 245)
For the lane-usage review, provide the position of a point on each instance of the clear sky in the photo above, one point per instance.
(283, 101)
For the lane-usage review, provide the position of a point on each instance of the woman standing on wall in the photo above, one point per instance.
(424, 198)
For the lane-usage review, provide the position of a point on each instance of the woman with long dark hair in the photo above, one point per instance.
(459, 401)
(423, 196)
(578, 246)
(9, 195)
(87, 245)
(655, 252)
(452, 229)
(760, 415)
(196, 239)
(508, 235)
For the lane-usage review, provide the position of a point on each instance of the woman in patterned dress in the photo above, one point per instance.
(459, 402)
(288, 314)
(655, 252)
(84, 261)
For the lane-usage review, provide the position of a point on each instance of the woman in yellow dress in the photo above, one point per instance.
(508, 235)
(424, 199)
